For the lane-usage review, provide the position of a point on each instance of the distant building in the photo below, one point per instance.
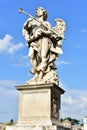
(77, 127)
(85, 123)
(2, 126)
(66, 123)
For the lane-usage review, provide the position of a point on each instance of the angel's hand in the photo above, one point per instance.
(38, 33)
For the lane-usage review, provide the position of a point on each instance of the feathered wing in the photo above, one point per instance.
(60, 28)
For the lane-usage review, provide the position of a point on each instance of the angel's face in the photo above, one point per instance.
(39, 12)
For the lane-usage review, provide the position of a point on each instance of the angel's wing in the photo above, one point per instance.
(60, 29)
(60, 26)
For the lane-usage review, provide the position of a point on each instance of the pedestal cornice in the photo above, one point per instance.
(40, 86)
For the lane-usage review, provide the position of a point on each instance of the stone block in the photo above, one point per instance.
(39, 104)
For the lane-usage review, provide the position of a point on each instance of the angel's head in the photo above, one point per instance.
(40, 11)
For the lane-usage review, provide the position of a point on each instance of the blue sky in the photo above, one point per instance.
(15, 65)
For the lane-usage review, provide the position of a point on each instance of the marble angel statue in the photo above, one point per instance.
(45, 45)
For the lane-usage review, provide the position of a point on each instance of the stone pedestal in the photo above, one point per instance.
(39, 105)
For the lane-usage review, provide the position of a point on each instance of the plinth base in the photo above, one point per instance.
(39, 104)
(26, 127)
(39, 107)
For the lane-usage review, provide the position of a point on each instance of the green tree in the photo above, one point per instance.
(11, 122)
(73, 121)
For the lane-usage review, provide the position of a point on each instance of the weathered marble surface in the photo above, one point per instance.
(39, 107)
(26, 127)
(39, 104)
(45, 45)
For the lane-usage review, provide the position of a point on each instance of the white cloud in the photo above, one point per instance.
(74, 104)
(7, 83)
(8, 100)
(7, 44)
(68, 100)
(84, 30)
(62, 62)
(7, 88)
(23, 61)
(77, 46)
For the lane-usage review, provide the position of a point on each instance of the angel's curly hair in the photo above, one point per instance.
(45, 15)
